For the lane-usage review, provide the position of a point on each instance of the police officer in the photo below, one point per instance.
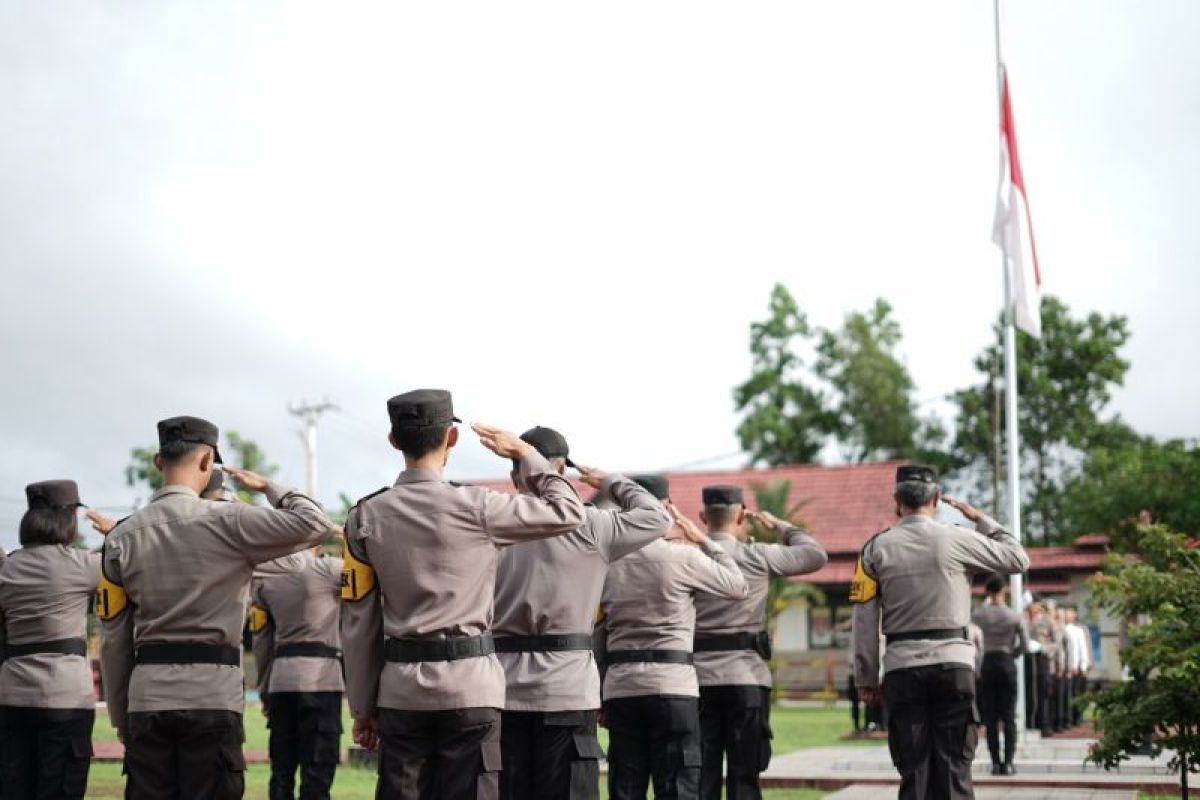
(547, 593)
(46, 679)
(651, 696)
(423, 681)
(1047, 656)
(914, 580)
(297, 650)
(1003, 641)
(173, 598)
(732, 648)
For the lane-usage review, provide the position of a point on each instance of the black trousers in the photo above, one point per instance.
(653, 737)
(1079, 688)
(735, 727)
(184, 754)
(852, 696)
(1046, 708)
(447, 755)
(1031, 691)
(550, 755)
(45, 753)
(1062, 705)
(931, 729)
(997, 704)
(306, 730)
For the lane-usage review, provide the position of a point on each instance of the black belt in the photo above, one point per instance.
(409, 651)
(724, 642)
(187, 653)
(648, 656)
(939, 634)
(545, 643)
(64, 647)
(312, 649)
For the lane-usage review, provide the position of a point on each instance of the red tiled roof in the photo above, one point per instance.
(1091, 540)
(1063, 558)
(846, 504)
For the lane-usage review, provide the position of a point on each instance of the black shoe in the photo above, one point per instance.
(997, 769)
(1008, 769)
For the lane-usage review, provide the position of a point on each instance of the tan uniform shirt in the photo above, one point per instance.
(186, 564)
(299, 594)
(552, 586)
(44, 594)
(759, 562)
(648, 604)
(1003, 629)
(921, 570)
(434, 549)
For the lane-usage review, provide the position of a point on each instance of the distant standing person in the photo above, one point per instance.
(732, 647)
(174, 593)
(298, 654)
(47, 705)
(422, 678)
(914, 581)
(1004, 640)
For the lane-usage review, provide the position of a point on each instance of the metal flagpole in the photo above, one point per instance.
(1016, 584)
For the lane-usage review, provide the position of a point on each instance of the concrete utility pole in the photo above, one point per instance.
(310, 413)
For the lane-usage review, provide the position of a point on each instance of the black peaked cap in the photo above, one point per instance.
(190, 429)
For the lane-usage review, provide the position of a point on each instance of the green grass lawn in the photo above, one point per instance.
(795, 728)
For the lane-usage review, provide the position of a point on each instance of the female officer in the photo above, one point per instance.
(47, 704)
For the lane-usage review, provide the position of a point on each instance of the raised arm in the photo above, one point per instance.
(293, 523)
(991, 548)
(640, 520)
(799, 553)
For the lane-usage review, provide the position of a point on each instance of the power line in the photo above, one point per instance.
(310, 414)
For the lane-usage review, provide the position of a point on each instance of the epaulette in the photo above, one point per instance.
(367, 497)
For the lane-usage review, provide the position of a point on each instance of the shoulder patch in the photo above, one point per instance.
(863, 587)
(111, 599)
(358, 577)
(367, 497)
(259, 617)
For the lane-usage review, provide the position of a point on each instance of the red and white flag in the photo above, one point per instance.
(1013, 230)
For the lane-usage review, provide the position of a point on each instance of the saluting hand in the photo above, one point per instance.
(964, 508)
(101, 523)
(366, 734)
(590, 475)
(764, 518)
(691, 531)
(251, 481)
(501, 442)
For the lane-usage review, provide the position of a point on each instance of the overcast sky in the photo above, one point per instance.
(568, 214)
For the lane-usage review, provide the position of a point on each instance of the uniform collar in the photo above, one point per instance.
(175, 488)
(722, 536)
(419, 476)
(915, 519)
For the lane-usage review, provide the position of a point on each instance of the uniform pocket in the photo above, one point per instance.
(490, 757)
(690, 756)
(231, 771)
(75, 769)
(327, 741)
(585, 767)
(587, 746)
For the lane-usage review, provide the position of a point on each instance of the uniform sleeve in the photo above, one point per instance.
(361, 628)
(262, 631)
(553, 508)
(640, 520)
(714, 571)
(799, 555)
(990, 549)
(1022, 637)
(116, 650)
(864, 631)
(334, 567)
(865, 634)
(294, 523)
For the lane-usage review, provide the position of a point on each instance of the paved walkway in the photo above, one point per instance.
(863, 792)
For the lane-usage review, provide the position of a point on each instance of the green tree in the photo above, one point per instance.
(785, 417)
(873, 412)
(781, 592)
(1126, 474)
(141, 469)
(1065, 380)
(1153, 578)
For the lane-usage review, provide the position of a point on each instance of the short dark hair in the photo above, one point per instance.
(915, 494)
(49, 526)
(718, 516)
(995, 584)
(420, 441)
(175, 451)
